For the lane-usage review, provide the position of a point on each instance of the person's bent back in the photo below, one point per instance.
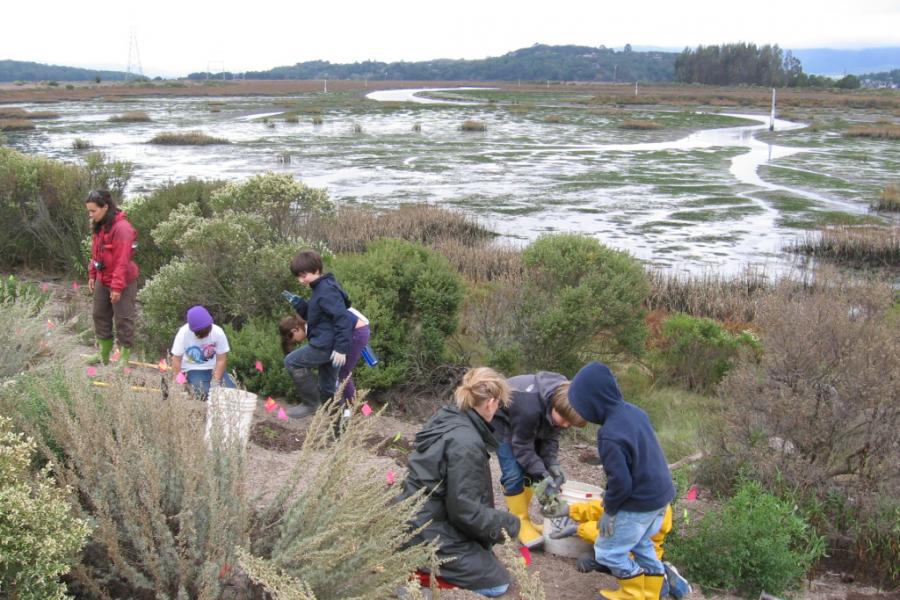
(451, 462)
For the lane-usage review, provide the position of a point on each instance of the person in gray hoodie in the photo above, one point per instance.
(639, 486)
(528, 431)
(451, 462)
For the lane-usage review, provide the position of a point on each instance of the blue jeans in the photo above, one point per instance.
(199, 380)
(307, 357)
(493, 592)
(512, 475)
(631, 534)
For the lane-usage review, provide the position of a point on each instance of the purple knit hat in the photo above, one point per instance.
(198, 318)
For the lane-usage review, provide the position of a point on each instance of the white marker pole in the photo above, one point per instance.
(772, 117)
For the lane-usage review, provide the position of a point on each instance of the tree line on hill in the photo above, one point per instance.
(17, 70)
(749, 64)
(536, 63)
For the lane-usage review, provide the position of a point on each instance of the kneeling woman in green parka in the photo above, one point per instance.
(451, 461)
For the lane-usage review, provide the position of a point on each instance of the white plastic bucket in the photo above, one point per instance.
(572, 492)
(232, 410)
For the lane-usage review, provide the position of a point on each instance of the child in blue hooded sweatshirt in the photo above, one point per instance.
(639, 486)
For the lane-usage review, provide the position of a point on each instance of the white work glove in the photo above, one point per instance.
(338, 359)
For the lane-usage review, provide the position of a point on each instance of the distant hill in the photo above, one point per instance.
(827, 61)
(537, 63)
(17, 70)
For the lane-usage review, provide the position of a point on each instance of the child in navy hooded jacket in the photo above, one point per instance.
(638, 484)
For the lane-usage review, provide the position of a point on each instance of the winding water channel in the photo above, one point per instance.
(693, 203)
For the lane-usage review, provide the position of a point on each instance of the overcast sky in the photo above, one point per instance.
(179, 37)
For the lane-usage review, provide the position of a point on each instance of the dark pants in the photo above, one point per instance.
(357, 343)
(122, 312)
(300, 361)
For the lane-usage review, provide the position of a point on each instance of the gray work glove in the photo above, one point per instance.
(546, 488)
(607, 525)
(559, 478)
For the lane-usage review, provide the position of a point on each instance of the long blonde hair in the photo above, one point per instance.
(479, 385)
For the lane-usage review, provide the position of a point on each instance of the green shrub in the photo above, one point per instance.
(303, 542)
(42, 215)
(285, 203)
(697, 353)
(258, 340)
(106, 174)
(231, 263)
(755, 543)
(24, 327)
(13, 289)
(583, 300)
(146, 212)
(411, 295)
(39, 537)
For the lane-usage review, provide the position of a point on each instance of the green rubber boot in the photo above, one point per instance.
(102, 357)
(124, 356)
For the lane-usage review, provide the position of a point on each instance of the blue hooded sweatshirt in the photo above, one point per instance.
(637, 474)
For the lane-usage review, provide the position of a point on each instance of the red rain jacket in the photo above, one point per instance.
(112, 248)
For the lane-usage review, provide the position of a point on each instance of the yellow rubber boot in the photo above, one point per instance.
(652, 587)
(529, 494)
(629, 589)
(528, 535)
(659, 537)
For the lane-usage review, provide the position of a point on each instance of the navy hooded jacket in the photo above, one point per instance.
(329, 325)
(637, 474)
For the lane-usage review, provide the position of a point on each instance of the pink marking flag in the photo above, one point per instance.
(180, 379)
(282, 415)
(126, 370)
(526, 554)
(75, 286)
(390, 477)
(259, 366)
(45, 287)
(691, 494)
(366, 410)
(92, 371)
(50, 324)
(270, 404)
(115, 356)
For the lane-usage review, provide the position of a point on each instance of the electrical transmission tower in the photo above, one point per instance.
(134, 70)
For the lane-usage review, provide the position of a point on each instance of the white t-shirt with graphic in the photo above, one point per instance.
(199, 354)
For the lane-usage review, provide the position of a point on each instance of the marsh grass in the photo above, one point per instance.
(641, 125)
(473, 125)
(137, 116)
(81, 144)
(16, 125)
(857, 245)
(880, 131)
(890, 198)
(188, 138)
(13, 112)
(292, 119)
(724, 298)
(316, 120)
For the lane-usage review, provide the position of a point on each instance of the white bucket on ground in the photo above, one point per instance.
(572, 492)
(232, 410)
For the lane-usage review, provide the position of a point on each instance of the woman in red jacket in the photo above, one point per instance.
(112, 275)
